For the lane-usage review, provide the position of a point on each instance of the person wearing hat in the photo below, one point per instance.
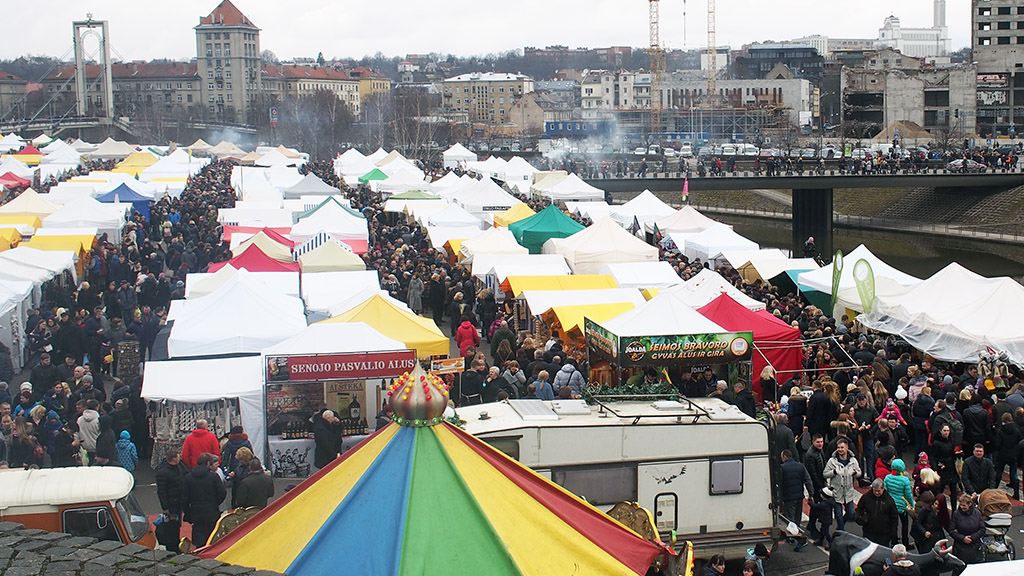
(126, 452)
(758, 554)
(821, 509)
(237, 438)
(898, 485)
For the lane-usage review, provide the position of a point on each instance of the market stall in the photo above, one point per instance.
(326, 366)
(668, 336)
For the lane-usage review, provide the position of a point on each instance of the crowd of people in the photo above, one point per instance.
(865, 411)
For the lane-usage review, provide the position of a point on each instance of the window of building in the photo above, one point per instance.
(986, 11)
(984, 41)
(188, 86)
(227, 74)
(1003, 25)
(1004, 10)
(211, 98)
(209, 86)
(228, 86)
(229, 97)
(984, 26)
(1003, 40)
(209, 74)
(1020, 39)
(179, 97)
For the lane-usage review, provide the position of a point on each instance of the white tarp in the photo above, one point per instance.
(322, 289)
(642, 274)
(686, 220)
(954, 315)
(492, 241)
(199, 284)
(199, 381)
(453, 216)
(593, 210)
(88, 212)
(484, 263)
(601, 243)
(441, 235)
(571, 188)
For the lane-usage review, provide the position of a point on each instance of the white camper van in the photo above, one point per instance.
(701, 467)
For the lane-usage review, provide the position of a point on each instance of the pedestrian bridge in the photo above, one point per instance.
(812, 193)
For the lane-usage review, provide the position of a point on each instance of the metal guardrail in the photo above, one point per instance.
(870, 222)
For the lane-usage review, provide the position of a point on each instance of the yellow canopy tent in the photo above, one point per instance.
(568, 321)
(249, 159)
(330, 257)
(514, 214)
(81, 244)
(453, 245)
(418, 333)
(29, 203)
(23, 219)
(515, 285)
(275, 250)
(135, 163)
(9, 238)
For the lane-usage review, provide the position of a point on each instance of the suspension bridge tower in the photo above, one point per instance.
(103, 87)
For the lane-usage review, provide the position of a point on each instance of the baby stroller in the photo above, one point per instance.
(996, 511)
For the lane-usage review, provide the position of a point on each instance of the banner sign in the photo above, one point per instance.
(321, 367)
(448, 365)
(672, 350)
(837, 274)
(864, 276)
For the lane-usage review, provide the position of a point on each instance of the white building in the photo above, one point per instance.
(722, 58)
(917, 42)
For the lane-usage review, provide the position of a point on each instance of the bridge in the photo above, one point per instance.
(55, 127)
(812, 194)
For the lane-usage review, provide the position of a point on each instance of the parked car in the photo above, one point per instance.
(965, 165)
(640, 151)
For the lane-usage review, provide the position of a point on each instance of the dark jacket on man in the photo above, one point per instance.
(169, 482)
(878, 517)
(978, 475)
(201, 494)
(327, 438)
(794, 479)
(256, 489)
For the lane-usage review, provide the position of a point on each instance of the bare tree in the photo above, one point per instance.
(317, 123)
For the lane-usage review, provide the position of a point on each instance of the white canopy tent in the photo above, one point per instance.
(604, 242)
(335, 338)
(322, 289)
(571, 188)
(310, 185)
(705, 287)
(955, 315)
(484, 263)
(456, 155)
(88, 212)
(645, 207)
(768, 268)
(15, 301)
(440, 235)
(210, 380)
(737, 258)
(642, 274)
(482, 198)
(686, 220)
(453, 216)
(111, 149)
(709, 244)
(241, 316)
(820, 281)
(51, 262)
(338, 221)
(661, 316)
(593, 210)
(198, 285)
(519, 174)
(492, 241)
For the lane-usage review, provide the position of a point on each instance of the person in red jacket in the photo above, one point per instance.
(466, 335)
(198, 442)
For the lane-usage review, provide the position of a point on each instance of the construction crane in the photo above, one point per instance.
(712, 96)
(657, 54)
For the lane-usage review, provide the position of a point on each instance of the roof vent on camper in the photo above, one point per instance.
(725, 413)
(533, 410)
(570, 407)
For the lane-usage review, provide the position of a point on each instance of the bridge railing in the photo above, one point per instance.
(1000, 232)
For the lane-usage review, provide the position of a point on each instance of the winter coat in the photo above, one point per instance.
(794, 480)
(201, 494)
(466, 336)
(820, 412)
(327, 440)
(235, 441)
(746, 403)
(878, 517)
(416, 294)
(106, 446)
(1007, 437)
(920, 410)
(814, 461)
(517, 381)
(841, 476)
(927, 521)
(255, 490)
(127, 455)
(200, 441)
(899, 487)
(977, 425)
(963, 524)
(503, 334)
(89, 429)
(569, 376)
(797, 412)
(978, 475)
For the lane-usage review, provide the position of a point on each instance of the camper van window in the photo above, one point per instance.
(94, 522)
(599, 485)
(509, 445)
(726, 476)
(133, 518)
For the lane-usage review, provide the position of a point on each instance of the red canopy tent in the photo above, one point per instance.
(252, 230)
(255, 260)
(30, 149)
(775, 341)
(12, 180)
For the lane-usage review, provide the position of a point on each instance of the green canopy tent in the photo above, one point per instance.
(786, 281)
(374, 174)
(549, 223)
(327, 201)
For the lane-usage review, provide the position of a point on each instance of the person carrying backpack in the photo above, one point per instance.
(569, 376)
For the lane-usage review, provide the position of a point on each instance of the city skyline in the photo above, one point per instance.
(357, 30)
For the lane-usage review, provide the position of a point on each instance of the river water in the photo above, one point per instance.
(916, 254)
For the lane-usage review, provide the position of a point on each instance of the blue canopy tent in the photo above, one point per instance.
(124, 193)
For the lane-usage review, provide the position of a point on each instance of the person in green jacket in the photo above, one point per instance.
(898, 485)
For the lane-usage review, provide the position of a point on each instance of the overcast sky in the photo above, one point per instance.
(351, 28)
